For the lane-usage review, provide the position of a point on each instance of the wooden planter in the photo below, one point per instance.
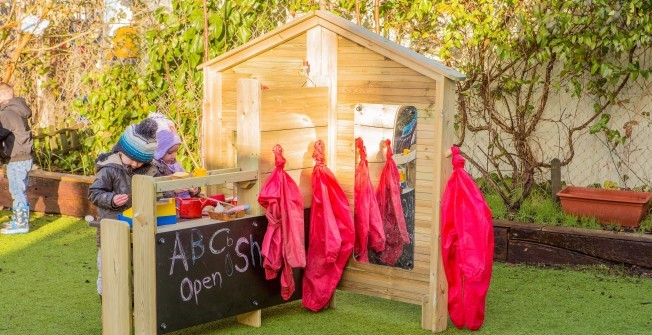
(53, 193)
(625, 208)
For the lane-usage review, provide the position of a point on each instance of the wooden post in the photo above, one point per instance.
(248, 144)
(248, 141)
(321, 54)
(116, 277)
(252, 319)
(555, 178)
(144, 230)
(435, 305)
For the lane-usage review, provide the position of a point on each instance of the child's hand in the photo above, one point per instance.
(120, 199)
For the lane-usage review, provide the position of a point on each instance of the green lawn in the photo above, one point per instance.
(47, 286)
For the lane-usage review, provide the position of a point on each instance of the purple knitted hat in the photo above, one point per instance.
(166, 140)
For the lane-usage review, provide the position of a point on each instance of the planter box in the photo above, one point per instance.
(53, 193)
(625, 208)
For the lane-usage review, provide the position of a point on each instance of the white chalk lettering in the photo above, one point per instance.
(219, 274)
(196, 244)
(210, 243)
(181, 255)
(228, 265)
(243, 256)
(255, 248)
(188, 283)
(191, 288)
(206, 281)
(197, 288)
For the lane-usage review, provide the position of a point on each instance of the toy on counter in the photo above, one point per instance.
(191, 208)
(166, 213)
(225, 211)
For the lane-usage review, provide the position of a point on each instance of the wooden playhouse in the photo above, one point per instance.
(323, 77)
(318, 77)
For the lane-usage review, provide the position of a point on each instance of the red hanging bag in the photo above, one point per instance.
(331, 235)
(284, 241)
(388, 195)
(368, 223)
(467, 246)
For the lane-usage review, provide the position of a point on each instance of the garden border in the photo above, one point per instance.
(53, 193)
(531, 243)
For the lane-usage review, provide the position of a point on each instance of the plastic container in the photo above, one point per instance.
(625, 208)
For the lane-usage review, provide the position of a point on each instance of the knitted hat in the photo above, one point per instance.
(138, 141)
(166, 140)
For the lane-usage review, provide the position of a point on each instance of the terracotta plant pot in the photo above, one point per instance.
(625, 208)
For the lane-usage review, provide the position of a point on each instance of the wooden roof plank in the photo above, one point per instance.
(398, 53)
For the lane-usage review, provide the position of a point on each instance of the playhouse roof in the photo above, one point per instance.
(342, 27)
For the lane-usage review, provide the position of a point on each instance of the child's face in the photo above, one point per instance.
(170, 157)
(130, 162)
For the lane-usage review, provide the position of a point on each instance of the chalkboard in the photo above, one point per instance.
(212, 272)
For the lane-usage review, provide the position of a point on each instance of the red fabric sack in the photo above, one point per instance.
(388, 195)
(284, 241)
(467, 246)
(368, 223)
(331, 235)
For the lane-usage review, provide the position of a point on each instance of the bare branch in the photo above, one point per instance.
(544, 98)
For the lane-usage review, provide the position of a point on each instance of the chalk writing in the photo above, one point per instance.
(213, 271)
(220, 243)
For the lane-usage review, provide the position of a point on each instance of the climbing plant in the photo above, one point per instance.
(516, 54)
(174, 42)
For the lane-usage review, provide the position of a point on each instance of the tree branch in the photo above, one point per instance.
(543, 101)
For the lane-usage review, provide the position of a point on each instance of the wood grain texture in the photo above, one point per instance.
(532, 244)
(116, 277)
(53, 193)
(144, 230)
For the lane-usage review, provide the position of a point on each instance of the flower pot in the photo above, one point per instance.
(625, 208)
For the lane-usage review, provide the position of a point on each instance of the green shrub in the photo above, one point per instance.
(540, 208)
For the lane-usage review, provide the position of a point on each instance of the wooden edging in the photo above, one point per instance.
(530, 243)
(53, 193)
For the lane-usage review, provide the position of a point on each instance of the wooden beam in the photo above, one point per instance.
(116, 277)
(144, 230)
(383, 46)
(231, 177)
(248, 140)
(435, 314)
(212, 156)
(321, 54)
(262, 43)
(252, 319)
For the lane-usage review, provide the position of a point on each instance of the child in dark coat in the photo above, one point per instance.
(111, 189)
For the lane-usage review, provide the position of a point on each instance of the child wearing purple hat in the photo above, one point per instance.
(166, 161)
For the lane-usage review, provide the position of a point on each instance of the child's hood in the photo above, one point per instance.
(19, 106)
(109, 159)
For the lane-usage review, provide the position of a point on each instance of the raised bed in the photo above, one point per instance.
(53, 193)
(530, 243)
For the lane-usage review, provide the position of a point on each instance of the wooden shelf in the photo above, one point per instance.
(401, 159)
(189, 223)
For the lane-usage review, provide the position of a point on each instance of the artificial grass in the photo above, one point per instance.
(47, 286)
(47, 278)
